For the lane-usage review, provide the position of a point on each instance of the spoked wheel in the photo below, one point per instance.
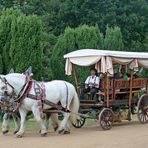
(143, 109)
(80, 122)
(106, 118)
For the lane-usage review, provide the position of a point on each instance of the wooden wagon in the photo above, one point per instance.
(118, 105)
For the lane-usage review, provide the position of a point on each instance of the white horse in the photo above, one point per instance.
(55, 91)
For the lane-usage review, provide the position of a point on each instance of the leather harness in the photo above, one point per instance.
(42, 97)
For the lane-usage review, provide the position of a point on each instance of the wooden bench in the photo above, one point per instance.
(120, 86)
(138, 85)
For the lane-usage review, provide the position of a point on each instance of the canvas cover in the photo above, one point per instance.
(104, 59)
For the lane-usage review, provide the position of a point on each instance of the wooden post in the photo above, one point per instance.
(113, 94)
(76, 79)
(107, 90)
(130, 95)
(146, 86)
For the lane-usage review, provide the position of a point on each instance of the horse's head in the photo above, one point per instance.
(5, 87)
(6, 94)
(10, 88)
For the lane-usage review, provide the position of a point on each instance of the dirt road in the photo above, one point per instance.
(123, 135)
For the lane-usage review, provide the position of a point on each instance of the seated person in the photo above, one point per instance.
(116, 74)
(123, 73)
(91, 84)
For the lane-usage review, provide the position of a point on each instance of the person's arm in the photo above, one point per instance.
(87, 82)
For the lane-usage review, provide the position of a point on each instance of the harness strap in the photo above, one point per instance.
(34, 97)
(21, 98)
(58, 107)
(94, 79)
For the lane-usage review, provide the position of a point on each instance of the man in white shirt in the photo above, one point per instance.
(91, 84)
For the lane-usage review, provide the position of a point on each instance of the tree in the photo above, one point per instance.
(146, 43)
(49, 40)
(1, 65)
(73, 39)
(26, 44)
(7, 17)
(113, 39)
(132, 18)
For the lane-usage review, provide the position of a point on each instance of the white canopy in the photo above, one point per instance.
(104, 59)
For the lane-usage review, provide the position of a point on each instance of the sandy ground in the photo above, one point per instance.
(124, 135)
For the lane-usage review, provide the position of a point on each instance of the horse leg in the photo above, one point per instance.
(5, 124)
(42, 122)
(16, 119)
(54, 121)
(64, 126)
(21, 131)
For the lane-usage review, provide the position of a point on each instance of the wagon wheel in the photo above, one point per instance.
(79, 122)
(106, 118)
(143, 109)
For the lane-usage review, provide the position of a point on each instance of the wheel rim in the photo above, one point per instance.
(143, 114)
(106, 119)
(143, 110)
(79, 123)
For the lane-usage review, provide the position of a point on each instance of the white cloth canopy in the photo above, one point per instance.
(104, 59)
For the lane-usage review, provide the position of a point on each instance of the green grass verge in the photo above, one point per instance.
(30, 125)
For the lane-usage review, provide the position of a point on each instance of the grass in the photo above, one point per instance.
(30, 125)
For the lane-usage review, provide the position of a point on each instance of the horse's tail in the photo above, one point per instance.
(74, 107)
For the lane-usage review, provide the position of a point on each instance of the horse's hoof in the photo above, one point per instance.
(55, 129)
(19, 136)
(61, 131)
(66, 132)
(44, 135)
(5, 132)
(15, 132)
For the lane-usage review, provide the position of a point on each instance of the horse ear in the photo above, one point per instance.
(11, 70)
(28, 71)
(2, 77)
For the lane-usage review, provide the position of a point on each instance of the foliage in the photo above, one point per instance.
(113, 39)
(131, 16)
(20, 42)
(73, 39)
(26, 46)
(7, 17)
(48, 44)
(1, 65)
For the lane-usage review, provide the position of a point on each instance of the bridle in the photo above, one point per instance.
(4, 80)
(17, 98)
